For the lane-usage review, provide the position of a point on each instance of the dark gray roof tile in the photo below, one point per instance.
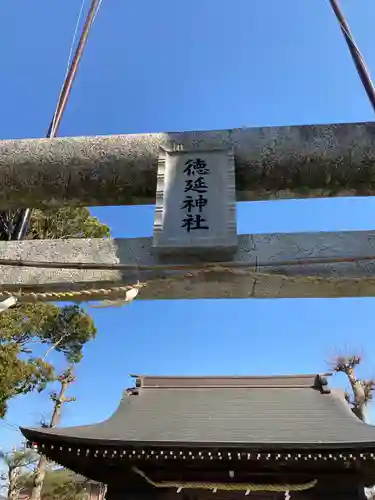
(250, 411)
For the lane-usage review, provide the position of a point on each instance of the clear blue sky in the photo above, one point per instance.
(167, 65)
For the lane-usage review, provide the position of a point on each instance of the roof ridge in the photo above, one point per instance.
(221, 381)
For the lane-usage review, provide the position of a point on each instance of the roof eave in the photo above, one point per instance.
(33, 435)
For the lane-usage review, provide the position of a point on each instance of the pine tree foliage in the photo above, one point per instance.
(64, 329)
(66, 222)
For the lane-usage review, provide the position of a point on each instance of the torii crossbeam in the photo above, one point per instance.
(271, 162)
(275, 162)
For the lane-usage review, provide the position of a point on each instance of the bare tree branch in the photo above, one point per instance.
(53, 347)
(362, 390)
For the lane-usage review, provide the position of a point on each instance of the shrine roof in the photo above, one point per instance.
(254, 412)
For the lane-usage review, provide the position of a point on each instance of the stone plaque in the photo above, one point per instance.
(196, 203)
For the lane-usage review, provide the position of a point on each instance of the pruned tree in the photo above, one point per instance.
(64, 329)
(58, 399)
(16, 462)
(362, 390)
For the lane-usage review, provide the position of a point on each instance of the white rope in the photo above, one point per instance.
(130, 295)
(116, 295)
(7, 303)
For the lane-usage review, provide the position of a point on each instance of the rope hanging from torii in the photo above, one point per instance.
(127, 293)
(246, 487)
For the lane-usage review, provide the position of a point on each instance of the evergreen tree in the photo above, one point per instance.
(65, 329)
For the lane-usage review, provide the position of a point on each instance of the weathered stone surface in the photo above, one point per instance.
(195, 209)
(276, 162)
(351, 279)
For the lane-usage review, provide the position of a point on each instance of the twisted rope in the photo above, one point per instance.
(228, 486)
(117, 292)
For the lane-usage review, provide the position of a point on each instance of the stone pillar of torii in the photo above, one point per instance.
(195, 179)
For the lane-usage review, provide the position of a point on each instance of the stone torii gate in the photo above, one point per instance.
(196, 179)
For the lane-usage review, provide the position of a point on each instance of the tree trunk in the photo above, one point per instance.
(13, 475)
(40, 472)
(359, 394)
(38, 480)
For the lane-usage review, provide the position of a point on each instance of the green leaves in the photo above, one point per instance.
(65, 330)
(68, 330)
(19, 458)
(66, 222)
(62, 329)
(59, 485)
(20, 376)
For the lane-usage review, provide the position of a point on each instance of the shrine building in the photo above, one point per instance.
(224, 438)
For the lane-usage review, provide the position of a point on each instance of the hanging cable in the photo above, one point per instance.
(21, 223)
(72, 44)
(68, 83)
(357, 57)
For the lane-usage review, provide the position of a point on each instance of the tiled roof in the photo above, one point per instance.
(255, 412)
